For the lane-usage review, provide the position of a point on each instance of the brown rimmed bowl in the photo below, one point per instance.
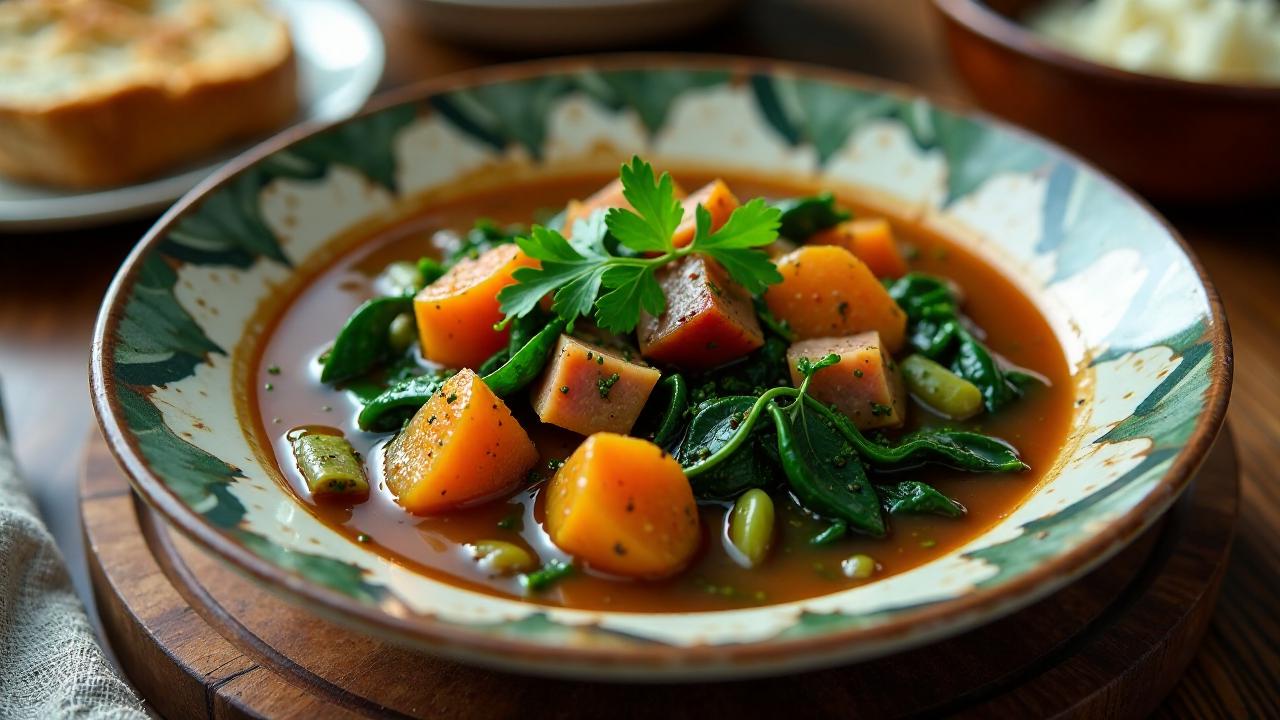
(1173, 140)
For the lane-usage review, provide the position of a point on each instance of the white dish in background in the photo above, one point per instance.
(560, 25)
(340, 58)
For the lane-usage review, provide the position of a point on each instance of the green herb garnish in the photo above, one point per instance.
(588, 280)
(604, 385)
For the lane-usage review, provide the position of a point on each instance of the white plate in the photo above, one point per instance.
(340, 57)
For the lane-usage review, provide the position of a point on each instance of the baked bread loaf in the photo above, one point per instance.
(105, 92)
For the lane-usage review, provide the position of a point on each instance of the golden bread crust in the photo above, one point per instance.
(123, 132)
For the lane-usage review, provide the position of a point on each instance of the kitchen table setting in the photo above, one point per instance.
(581, 358)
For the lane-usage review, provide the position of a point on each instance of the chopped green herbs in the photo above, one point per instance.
(604, 385)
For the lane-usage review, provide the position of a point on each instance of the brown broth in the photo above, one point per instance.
(1036, 425)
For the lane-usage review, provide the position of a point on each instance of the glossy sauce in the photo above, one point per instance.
(1036, 425)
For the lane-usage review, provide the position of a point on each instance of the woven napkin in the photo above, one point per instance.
(50, 663)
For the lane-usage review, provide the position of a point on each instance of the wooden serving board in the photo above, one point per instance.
(199, 640)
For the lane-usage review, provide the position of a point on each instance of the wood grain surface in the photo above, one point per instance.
(198, 640)
(51, 285)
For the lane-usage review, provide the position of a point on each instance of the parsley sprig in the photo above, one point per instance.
(588, 279)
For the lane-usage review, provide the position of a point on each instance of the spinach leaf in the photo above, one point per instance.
(824, 471)
(398, 403)
(753, 375)
(715, 424)
(913, 496)
(525, 363)
(364, 340)
(522, 331)
(804, 216)
(663, 415)
(956, 449)
(370, 385)
(936, 330)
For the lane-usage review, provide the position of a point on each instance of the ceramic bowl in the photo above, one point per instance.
(1141, 326)
(1174, 140)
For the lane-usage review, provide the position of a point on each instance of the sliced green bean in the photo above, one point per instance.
(941, 389)
(546, 576)
(525, 363)
(663, 415)
(329, 465)
(751, 526)
(390, 408)
(502, 557)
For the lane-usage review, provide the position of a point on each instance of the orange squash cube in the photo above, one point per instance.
(463, 447)
(588, 389)
(717, 198)
(457, 312)
(827, 292)
(709, 318)
(871, 241)
(623, 506)
(866, 385)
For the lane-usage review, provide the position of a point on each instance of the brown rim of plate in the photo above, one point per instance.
(1006, 32)
(911, 628)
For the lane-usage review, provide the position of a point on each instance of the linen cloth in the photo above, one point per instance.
(50, 664)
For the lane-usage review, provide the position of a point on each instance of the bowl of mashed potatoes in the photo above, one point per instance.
(1179, 98)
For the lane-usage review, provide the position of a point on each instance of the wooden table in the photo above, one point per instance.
(51, 285)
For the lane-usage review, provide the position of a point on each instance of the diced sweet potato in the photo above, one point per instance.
(586, 388)
(457, 312)
(624, 506)
(709, 319)
(461, 448)
(716, 197)
(827, 292)
(865, 385)
(871, 241)
(609, 196)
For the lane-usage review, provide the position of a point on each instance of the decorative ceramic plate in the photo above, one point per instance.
(340, 58)
(1141, 327)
